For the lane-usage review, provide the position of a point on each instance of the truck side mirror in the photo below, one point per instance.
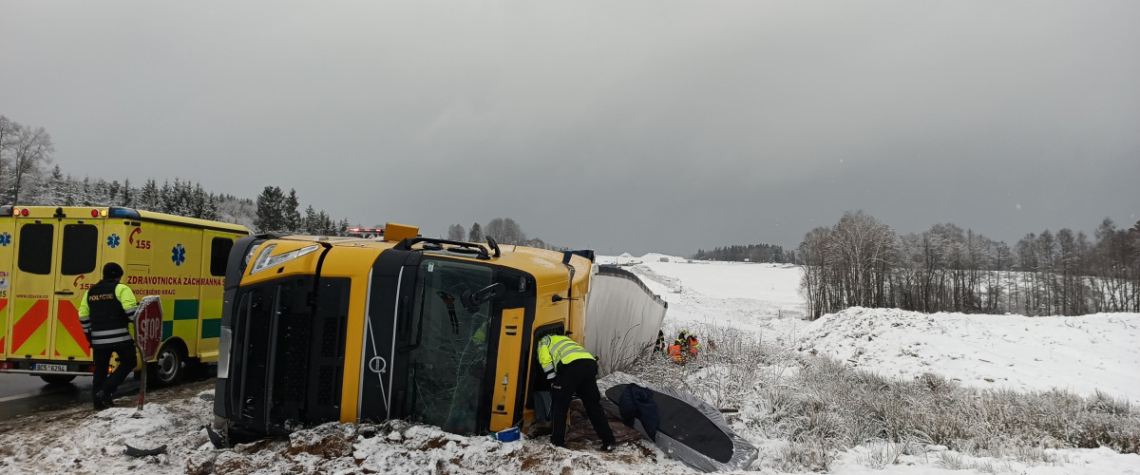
(472, 300)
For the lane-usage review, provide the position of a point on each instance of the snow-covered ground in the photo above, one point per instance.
(1083, 355)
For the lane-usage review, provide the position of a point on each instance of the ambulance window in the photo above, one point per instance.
(219, 255)
(36, 248)
(80, 246)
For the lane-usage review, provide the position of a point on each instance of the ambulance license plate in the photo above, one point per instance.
(50, 367)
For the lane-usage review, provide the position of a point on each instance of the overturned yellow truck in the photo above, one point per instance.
(441, 332)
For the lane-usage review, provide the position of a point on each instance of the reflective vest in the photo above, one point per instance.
(693, 344)
(557, 350)
(675, 352)
(106, 311)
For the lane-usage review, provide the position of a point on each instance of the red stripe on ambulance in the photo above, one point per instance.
(29, 323)
(69, 318)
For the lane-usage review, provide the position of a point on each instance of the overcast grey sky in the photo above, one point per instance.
(620, 126)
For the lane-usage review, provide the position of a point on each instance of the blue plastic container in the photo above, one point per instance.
(508, 435)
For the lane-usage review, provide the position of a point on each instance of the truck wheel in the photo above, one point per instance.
(57, 378)
(170, 366)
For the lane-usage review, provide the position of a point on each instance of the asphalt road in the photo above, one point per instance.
(21, 394)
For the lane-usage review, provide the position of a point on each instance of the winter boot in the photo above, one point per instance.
(104, 399)
(97, 401)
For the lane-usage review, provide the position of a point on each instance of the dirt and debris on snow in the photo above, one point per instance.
(78, 440)
(81, 441)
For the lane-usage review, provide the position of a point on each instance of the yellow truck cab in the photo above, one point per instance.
(441, 332)
(49, 257)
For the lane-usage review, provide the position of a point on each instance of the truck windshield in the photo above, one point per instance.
(447, 366)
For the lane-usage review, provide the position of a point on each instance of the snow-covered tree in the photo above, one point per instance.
(23, 150)
(455, 232)
(271, 210)
(150, 197)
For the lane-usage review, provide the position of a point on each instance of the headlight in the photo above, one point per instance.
(267, 260)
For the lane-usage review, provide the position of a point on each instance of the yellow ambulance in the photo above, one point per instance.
(49, 256)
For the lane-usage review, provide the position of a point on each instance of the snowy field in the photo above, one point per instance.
(1079, 354)
(1083, 355)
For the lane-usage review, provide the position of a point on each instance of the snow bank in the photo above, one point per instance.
(1078, 354)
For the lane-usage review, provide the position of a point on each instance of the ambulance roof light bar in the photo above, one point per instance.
(117, 212)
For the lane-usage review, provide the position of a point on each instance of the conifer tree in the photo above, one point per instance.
(291, 215)
(150, 198)
(270, 210)
(312, 226)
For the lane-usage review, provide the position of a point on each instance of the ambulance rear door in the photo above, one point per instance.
(33, 287)
(79, 250)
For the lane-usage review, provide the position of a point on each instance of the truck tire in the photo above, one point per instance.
(57, 379)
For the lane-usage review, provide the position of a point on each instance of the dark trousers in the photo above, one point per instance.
(580, 377)
(102, 357)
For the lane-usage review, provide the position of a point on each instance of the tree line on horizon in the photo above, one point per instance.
(503, 230)
(862, 262)
(751, 253)
(25, 152)
(277, 211)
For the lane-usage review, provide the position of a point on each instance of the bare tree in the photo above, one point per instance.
(8, 133)
(863, 246)
(505, 231)
(815, 251)
(22, 150)
(455, 232)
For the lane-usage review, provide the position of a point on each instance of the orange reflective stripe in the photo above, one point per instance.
(29, 323)
(69, 318)
(3, 331)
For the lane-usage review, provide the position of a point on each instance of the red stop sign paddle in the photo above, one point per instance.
(148, 335)
(148, 326)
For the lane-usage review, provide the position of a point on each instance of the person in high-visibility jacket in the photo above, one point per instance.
(572, 369)
(676, 353)
(106, 311)
(694, 345)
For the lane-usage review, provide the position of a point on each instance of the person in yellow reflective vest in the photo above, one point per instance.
(106, 311)
(572, 369)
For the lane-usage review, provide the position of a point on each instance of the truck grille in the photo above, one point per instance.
(289, 353)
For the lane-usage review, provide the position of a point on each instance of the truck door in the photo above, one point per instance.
(77, 245)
